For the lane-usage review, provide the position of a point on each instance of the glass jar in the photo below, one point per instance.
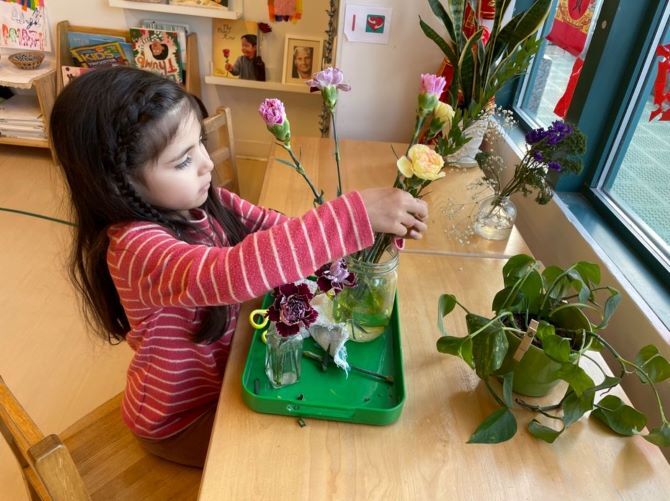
(283, 357)
(366, 308)
(495, 218)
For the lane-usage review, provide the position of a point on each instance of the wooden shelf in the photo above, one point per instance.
(22, 141)
(253, 84)
(185, 10)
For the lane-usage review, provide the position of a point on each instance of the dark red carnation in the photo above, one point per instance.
(291, 309)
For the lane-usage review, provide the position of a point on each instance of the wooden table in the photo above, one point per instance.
(424, 454)
(368, 164)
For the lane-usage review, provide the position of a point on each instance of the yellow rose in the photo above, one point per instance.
(445, 114)
(422, 162)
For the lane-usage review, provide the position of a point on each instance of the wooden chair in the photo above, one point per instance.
(97, 458)
(221, 147)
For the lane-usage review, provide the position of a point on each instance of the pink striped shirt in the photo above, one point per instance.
(165, 284)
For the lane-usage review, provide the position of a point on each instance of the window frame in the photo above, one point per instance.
(608, 59)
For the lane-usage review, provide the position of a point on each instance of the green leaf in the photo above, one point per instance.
(467, 65)
(508, 382)
(445, 305)
(440, 12)
(543, 432)
(497, 427)
(619, 417)
(589, 272)
(441, 43)
(516, 267)
(576, 377)
(610, 305)
(556, 347)
(489, 346)
(521, 27)
(575, 407)
(659, 436)
(653, 364)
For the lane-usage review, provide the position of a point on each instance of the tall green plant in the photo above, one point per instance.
(480, 70)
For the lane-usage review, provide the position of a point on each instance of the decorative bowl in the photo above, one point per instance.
(27, 60)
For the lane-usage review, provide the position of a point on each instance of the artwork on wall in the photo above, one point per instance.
(302, 58)
(24, 25)
(284, 10)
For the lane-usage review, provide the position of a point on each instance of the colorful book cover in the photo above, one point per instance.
(72, 72)
(76, 39)
(181, 29)
(158, 51)
(24, 25)
(227, 43)
(105, 54)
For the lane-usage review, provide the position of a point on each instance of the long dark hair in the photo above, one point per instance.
(105, 125)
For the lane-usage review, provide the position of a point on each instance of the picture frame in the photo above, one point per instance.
(302, 58)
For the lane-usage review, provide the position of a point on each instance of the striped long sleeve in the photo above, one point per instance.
(166, 284)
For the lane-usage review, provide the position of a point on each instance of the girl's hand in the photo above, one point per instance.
(395, 211)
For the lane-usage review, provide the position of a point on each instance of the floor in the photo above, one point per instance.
(642, 184)
(48, 357)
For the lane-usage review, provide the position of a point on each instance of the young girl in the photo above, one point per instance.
(163, 259)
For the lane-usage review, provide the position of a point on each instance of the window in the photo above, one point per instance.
(626, 178)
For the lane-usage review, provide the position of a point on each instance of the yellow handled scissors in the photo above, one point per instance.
(264, 320)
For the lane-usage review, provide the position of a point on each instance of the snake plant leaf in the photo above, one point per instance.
(653, 364)
(619, 417)
(576, 377)
(440, 42)
(457, 9)
(497, 427)
(538, 430)
(659, 436)
(445, 305)
(489, 344)
(519, 28)
(467, 66)
(440, 12)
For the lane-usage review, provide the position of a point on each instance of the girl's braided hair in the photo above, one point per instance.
(104, 126)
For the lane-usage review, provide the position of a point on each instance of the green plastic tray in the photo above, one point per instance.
(330, 394)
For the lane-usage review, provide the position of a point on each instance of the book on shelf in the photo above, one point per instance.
(72, 72)
(158, 51)
(181, 29)
(80, 39)
(104, 54)
(227, 44)
(21, 108)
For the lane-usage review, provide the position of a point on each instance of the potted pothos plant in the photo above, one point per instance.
(545, 322)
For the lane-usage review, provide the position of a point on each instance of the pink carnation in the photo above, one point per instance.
(432, 84)
(272, 111)
(330, 77)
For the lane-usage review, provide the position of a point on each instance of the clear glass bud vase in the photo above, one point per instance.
(366, 308)
(495, 218)
(283, 357)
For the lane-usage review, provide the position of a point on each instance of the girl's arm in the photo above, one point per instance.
(152, 268)
(255, 218)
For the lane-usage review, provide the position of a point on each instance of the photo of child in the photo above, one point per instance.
(248, 66)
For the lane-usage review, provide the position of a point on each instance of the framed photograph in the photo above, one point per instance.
(302, 58)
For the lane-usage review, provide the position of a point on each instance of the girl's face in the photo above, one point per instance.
(180, 177)
(248, 50)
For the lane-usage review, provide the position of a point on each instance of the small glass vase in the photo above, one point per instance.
(283, 357)
(366, 308)
(495, 218)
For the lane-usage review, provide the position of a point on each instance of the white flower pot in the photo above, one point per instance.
(465, 157)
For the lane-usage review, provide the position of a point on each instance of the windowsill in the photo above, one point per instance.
(629, 265)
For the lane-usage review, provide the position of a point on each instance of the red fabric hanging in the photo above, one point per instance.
(661, 95)
(563, 103)
(571, 25)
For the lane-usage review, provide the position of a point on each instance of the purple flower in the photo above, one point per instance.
(554, 166)
(537, 155)
(335, 276)
(432, 84)
(274, 115)
(328, 81)
(536, 135)
(330, 77)
(272, 111)
(291, 309)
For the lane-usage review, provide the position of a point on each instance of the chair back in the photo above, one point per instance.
(220, 143)
(47, 467)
